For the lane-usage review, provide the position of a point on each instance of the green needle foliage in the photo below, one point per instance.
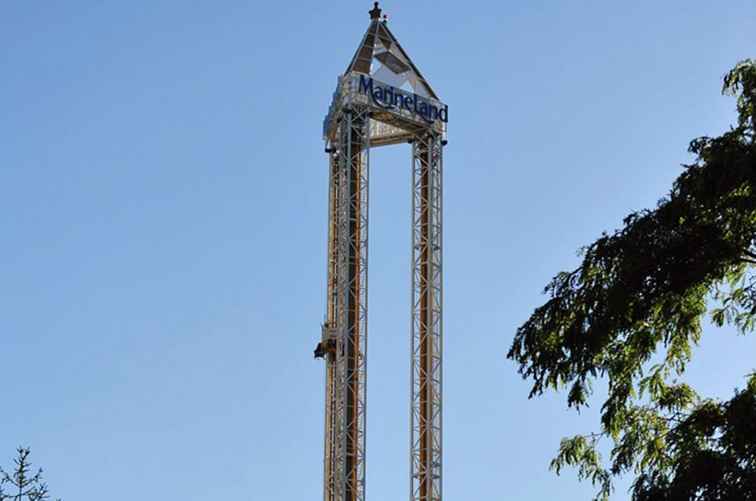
(23, 484)
(631, 313)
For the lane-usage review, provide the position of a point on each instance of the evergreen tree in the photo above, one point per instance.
(23, 484)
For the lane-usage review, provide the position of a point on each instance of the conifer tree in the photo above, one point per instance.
(23, 483)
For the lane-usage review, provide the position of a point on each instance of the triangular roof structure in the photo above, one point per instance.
(382, 57)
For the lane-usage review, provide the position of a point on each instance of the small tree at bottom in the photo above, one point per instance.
(23, 483)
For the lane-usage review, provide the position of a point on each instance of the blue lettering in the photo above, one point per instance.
(366, 85)
(388, 97)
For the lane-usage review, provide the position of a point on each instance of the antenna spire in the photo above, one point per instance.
(375, 14)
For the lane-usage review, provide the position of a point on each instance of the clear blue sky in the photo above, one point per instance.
(163, 222)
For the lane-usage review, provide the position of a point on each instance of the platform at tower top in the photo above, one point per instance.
(396, 115)
(383, 78)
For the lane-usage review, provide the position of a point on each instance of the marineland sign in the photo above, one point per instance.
(391, 98)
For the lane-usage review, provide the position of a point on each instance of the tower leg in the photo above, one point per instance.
(426, 418)
(328, 339)
(351, 346)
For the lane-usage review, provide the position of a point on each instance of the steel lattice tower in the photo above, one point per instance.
(381, 99)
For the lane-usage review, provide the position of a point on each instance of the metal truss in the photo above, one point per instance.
(330, 329)
(344, 337)
(344, 342)
(427, 299)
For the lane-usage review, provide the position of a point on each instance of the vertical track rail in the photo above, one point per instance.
(426, 444)
(350, 223)
(331, 322)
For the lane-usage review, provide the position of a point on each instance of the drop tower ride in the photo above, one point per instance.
(382, 99)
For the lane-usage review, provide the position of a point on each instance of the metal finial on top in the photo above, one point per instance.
(375, 14)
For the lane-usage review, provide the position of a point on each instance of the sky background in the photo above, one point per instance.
(163, 227)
